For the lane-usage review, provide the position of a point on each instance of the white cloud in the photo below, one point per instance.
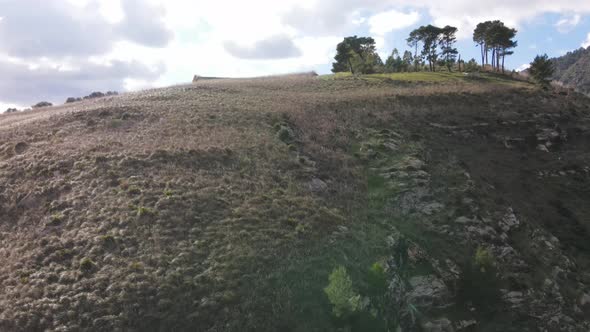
(200, 29)
(388, 21)
(275, 47)
(586, 44)
(5, 106)
(567, 23)
(523, 67)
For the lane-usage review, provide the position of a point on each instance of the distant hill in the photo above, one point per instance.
(573, 69)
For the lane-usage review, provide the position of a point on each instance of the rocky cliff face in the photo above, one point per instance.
(573, 70)
(509, 186)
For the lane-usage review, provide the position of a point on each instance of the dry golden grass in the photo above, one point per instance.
(192, 209)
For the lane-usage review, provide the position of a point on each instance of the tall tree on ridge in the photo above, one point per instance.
(494, 36)
(413, 41)
(353, 51)
(542, 69)
(479, 37)
(447, 41)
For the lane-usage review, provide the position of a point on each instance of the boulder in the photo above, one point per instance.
(585, 302)
(432, 208)
(428, 292)
(439, 325)
(317, 185)
(466, 325)
(515, 299)
(542, 147)
(509, 221)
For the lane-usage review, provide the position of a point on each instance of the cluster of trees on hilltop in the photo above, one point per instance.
(495, 38)
(432, 39)
(431, 48)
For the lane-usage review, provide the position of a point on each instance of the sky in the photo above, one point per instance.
(54, 49)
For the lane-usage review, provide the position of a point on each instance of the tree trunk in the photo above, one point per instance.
(487, 51)
(503, 57)
(482, 54)
(416, 57)
(493, 58)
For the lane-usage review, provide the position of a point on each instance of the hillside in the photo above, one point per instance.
(454, 203)
(573, 69)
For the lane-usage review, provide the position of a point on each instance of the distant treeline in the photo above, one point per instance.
(93, 95)
(431, 48)
(96, 94)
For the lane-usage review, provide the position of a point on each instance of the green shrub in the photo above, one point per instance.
(143, 211)
(108, 241)
(115, 123)
(377, 280)
(86, 264)
(137, 266)
(341, 294)
(285, 135)
(56, 219)
(479, 284)
(542, 69)
(133, 190)
(484, 259)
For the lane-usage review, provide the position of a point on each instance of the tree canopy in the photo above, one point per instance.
(495, 37)
(431, 38)
(542, 69)
(431, 47)
(355, 54)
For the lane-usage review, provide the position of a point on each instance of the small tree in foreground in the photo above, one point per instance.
(542, 69)
(340, 292)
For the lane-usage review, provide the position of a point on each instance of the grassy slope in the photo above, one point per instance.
(190, 207)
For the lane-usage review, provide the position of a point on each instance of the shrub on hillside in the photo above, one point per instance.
(96, 94)
(479, 284)
(11, 110)
(72, 100)
(344, 299)
(471, 66)
(542, 69)
(42, 104)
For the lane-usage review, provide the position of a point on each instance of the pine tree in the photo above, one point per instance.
(541, 70)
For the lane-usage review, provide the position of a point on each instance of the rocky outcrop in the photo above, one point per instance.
(450, 213)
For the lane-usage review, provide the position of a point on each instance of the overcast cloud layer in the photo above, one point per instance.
(53, 49)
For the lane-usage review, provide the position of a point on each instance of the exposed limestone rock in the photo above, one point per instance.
(466, 325)
(432, 208)
(316, 185)
(509, 221)
(428, 292)
(439, 325)
(515, 299)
